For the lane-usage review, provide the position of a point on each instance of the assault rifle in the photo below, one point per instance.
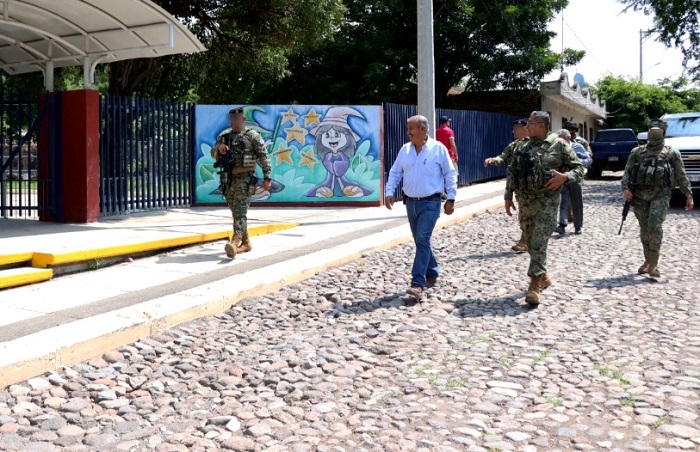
(626, 207)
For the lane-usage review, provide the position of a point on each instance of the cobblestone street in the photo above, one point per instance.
(345, 362)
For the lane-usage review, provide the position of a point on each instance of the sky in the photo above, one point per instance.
(611, 41)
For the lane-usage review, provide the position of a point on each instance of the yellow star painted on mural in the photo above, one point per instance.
(308, 159)
(296, 133)
(283, 154)
(311, 118)
(289, 116)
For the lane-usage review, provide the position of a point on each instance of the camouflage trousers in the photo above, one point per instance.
(651, 215)
(538, 218)
(238, 198)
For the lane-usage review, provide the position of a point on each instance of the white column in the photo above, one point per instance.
(426, 63)
(48, 77)
(87, 73)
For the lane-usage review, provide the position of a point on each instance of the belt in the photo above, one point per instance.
(424, 198)
(242, 169)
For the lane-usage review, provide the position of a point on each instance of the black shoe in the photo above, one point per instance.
(431, 280)
(561, 229)
(578, 232)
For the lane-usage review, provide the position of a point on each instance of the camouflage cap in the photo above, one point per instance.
(520, 122)
(658, 124)
(235, 112)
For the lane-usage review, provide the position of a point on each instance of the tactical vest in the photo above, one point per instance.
(529, 173)
(655, 169)
(240, 146)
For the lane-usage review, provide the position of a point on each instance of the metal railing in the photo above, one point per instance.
(145, 154)
(478, 134)
(30, 169)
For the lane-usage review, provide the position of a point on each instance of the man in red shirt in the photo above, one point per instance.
(446, 136)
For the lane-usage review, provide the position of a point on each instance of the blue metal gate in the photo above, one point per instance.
(478, 134)
(145, 154)
(30, 163)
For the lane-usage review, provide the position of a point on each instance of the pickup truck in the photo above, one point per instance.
(611, 148)
(683, 133)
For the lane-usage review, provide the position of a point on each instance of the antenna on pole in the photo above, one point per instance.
(561, 60)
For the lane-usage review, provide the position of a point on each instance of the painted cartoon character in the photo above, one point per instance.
(335, 144)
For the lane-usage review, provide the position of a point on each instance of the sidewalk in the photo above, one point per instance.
(75, 317)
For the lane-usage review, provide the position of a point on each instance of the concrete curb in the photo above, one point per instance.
(81, 340)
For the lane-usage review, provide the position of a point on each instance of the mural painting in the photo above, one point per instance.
(327, 154)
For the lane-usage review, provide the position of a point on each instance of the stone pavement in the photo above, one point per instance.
(76, 317)
(343, 361)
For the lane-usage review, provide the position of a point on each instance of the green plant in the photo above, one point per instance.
(554, 402)
(659, 422)
(383, 400)
(505, 362)
(94, 264)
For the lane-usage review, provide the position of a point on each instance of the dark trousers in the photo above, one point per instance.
(571, 193)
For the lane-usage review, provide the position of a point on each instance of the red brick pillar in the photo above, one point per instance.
(80, 164)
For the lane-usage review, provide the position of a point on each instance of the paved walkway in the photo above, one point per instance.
(343, 361)
(75, 317)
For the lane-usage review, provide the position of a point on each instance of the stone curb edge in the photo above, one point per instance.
(86, 338)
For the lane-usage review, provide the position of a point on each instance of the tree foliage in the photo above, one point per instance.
(480, 44)
(677, 23)
(248, 44)
(631, 103)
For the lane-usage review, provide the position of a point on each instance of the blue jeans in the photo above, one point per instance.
(422, 216)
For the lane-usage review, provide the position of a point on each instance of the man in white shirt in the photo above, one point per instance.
(427, 171)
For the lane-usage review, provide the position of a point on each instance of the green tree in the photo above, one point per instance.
(631, 103)
(248, 44)
(481, 44)
(677, 23)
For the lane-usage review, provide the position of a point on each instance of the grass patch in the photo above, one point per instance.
(542, 355)
(554, 402)
(628, 401)
(505, 362)
(420, 370)
(614, 374)
(383, 400)
(456, 383)
(659, 422)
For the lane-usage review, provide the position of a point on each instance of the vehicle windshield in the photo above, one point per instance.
(611, 136)
(683, 127)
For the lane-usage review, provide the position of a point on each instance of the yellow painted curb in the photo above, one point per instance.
(21, 276)
(16, 258)
(45, 260)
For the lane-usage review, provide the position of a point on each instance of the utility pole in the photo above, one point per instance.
(426, 63)
(641, 40)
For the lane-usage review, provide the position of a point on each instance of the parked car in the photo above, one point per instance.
(611, 148)
(643, 137)
(683, 133)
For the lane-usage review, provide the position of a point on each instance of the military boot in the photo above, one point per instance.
(546, 281)
(645, 266)
(654, 264)
(234, 247)
(245, 243)
(520, 247)
(533, 292)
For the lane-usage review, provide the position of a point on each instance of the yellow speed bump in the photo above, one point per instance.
(45, 260)
(21, 276)
(16, 258)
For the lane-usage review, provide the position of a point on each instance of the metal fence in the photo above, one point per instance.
(478, 134)
(30, 144)
(145, 154)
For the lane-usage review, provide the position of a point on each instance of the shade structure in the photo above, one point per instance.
(38, 35)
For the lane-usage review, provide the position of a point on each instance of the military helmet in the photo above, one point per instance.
(658, 124)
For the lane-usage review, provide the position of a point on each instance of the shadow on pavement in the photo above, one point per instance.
(510, 305)
(494, 255)
(631, 279)
(192, 259)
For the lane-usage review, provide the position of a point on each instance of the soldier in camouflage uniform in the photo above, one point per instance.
(520, 135)
(651, 173)
(540, 168)
(572, 127)
(246, 147)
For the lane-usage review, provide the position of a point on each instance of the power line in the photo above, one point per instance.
(583, 44)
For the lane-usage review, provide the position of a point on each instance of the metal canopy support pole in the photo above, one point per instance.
(87, 73)
(48, 77)
(426, 62)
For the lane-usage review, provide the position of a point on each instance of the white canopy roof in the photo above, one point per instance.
(37, 35)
